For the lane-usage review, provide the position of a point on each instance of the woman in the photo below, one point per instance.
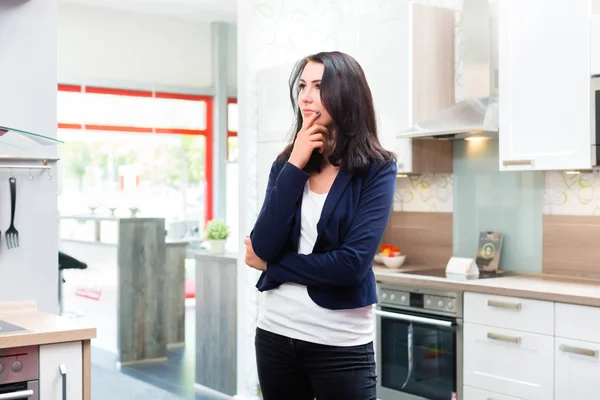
(328, 201)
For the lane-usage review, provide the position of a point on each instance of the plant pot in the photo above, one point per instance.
(217, 246)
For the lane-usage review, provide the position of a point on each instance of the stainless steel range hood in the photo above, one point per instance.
(477, 115)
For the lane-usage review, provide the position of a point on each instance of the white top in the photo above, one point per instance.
(289, 311)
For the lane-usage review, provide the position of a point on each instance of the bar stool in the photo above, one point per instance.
(65, 261)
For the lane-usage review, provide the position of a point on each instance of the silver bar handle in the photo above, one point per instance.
(504, 338)
(504, 304)
(16, 395)
(413, 318)
(578, 350)
(63, 372)
(507, 163)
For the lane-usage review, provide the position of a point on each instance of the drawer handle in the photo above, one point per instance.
(578, 350)
(63, 372)
(504, 338)
(507, 163)
(503, 304)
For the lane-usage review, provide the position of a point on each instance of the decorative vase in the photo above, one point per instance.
(217, 246)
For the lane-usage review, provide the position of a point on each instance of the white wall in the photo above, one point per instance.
(28, 101)
(121, 46)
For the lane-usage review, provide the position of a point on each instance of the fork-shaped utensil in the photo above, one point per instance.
(12, 235)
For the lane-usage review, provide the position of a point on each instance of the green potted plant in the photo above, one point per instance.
(217, 233)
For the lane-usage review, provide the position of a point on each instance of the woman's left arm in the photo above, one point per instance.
(348, 265)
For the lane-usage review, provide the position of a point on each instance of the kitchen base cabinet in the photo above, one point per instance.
(470, 393)
(59, 362)
(511, 362)
(577, 369)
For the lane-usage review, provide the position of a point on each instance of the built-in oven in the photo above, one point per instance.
(19, 373)
(595, 101)
(418, 344)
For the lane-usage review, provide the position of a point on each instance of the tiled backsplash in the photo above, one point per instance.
(572, 194)
(430, 193)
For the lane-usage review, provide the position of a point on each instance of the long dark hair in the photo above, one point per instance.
(347, 98)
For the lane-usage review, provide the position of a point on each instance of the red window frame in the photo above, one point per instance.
(207, 132)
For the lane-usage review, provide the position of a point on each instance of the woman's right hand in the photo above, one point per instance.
(310, 137)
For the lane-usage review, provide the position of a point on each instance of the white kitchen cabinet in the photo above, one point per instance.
(407, 54)
(470, 393)
(544, 101)
(267, 153)
(577, 369)
(509, 362)
(526, 315)
(56, 359)
(578, 322)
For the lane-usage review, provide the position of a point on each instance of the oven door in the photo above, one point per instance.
(436, 362)
(19, 391)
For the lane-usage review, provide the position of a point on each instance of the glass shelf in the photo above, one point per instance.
(20, 139)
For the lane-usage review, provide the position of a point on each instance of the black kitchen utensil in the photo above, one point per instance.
(12, 235)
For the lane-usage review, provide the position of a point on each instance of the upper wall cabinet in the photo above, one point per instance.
(544, 53)
(407, 54)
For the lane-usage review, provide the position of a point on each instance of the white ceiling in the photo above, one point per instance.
(197, 10)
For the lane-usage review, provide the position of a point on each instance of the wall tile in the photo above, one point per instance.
(425, 193)
(572, 194)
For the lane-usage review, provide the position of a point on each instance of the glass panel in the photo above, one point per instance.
(115, 110)
(434, 364)
(486, 199)
(110, 174)
(232, 117)
(233, 150)
(17, 138)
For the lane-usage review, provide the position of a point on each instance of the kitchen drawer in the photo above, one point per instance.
(509, 312)
(508, 362)
(577, 368)
(577, 322)
(470, 393)
(595, 44)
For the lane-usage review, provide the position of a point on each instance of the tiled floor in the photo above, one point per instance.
(174, 377)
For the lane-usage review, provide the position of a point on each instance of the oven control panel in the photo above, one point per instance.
(19, 364)
(434, 301)
(439, 303)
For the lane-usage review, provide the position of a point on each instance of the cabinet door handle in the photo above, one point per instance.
(507, 163)
(63, 372)
(504, 338)
(504, 304)
(17, 395)
(578, 350)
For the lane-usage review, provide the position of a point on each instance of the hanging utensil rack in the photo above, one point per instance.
(37, 162)
(28, 163)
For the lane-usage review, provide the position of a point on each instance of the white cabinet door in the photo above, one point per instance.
(526, 315)
(380, 42)
(69, 358)
(509, 362)
(470, 393)
(544, 53)
(577, 369)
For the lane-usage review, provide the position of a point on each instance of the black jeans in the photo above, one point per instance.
(291, 369)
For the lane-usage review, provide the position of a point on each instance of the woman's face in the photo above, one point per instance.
(309, 96)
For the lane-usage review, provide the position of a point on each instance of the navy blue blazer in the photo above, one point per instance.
(339, 272)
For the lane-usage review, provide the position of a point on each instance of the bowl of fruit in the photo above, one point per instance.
(390, 256)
